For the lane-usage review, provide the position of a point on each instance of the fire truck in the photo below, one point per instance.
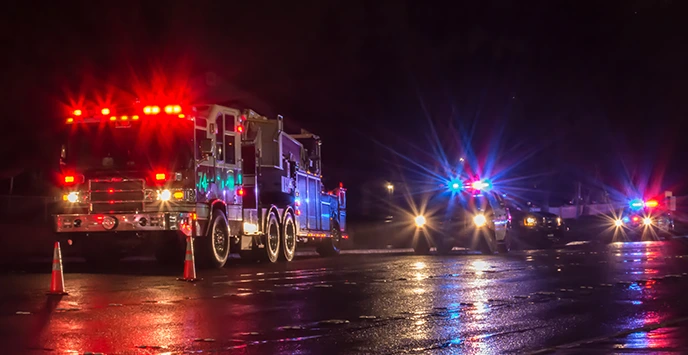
(155, 173)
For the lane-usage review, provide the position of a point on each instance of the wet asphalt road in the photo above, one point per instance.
(580, 299)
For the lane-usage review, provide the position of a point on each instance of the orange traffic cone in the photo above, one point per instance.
(57, 280)
(189, 263)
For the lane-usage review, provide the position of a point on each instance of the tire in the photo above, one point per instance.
(288, 238)
(330, 246)
(214, 248)
(272, 242)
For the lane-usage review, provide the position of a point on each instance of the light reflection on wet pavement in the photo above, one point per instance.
(581, 299)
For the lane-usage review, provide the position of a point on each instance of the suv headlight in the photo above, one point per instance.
(479, 220)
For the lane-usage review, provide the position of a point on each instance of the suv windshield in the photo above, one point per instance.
(103, 147)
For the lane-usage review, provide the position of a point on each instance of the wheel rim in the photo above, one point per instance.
(290, 236)
(273, 237)
(219, 242)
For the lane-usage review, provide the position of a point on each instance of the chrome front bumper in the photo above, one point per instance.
(124, 222)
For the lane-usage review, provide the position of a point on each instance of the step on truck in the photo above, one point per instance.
(153, 174)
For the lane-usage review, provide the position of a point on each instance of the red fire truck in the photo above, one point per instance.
(154, 173)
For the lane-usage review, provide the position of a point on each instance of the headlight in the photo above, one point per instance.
(558, 221)
(420, 221)
(71, 197)
(530, 221)
(480, 220)
(164, 195)
(647, 221)
(618, 223)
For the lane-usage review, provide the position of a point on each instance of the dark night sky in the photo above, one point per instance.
(549, 74)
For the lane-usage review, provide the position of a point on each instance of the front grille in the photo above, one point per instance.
(116, 196)
(117, 207)
(100, 196)
(549, 222)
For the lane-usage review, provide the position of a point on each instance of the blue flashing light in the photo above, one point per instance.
(637, 204)
(625, 219)
(455, 186)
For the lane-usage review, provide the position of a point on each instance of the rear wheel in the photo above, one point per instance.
(288, 238)
(272, 239)
(330, 246)
(214, 248)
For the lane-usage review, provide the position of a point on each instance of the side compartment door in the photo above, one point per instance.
(232, 169)
(313, 202)
(302, 206)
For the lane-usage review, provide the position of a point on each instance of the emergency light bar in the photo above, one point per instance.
(108, 114)
(638, 204)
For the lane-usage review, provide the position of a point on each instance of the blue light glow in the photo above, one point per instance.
(455, 185)
(637, 204)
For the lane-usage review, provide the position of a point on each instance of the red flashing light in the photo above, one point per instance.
(298, 212)
(241, 191)
(105, 111)
(70, 120)
(240, 129)
(170, 109)
(68, 179)
(77, 112)
(160, 176)
(635, 218)
(151, 110)
(242, 118)
(651, 203)
(111, 191)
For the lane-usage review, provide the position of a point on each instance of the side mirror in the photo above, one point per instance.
(206, 145)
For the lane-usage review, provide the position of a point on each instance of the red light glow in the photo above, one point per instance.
(241, 191)
(240, 128)
(111, 191)
(77, 112)
(105, 111)
(160, 176)
(69, 179)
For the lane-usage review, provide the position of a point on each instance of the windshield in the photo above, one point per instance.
(104, 147)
